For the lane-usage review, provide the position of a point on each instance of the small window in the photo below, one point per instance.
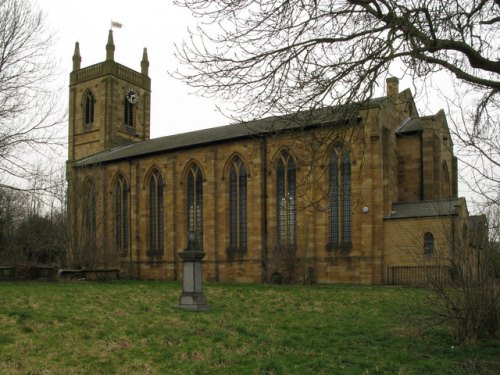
(428, 243)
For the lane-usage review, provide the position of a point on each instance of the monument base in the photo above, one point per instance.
(192, 297)
(194, 307)
(193, 302)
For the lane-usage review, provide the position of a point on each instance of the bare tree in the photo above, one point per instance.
(275, 57)
(29, 117)
(470, 298)
(30, 230)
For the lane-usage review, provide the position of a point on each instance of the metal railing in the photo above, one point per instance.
(413, 275)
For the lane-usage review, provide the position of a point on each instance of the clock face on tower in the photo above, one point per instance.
(132, 96)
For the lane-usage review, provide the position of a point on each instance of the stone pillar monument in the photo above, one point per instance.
(192, 297)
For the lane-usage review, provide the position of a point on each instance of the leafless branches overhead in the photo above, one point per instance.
(274, 57)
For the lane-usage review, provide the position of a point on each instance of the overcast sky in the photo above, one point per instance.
(156, 25)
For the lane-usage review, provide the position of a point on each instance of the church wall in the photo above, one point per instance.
(78, 183)
(405, 239)
(409, 168)
(312, 189)
(437, 151)
(109, 177)
(371, 230)
(392, 114)
(446, 158)
(87, 140)
(327, 265)
(212, 161)
(375, 243)
(404, 247)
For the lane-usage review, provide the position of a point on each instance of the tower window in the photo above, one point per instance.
(89, 108)
(155, 214)
(339, 210)
(286, 206)
(238, 204)
(128, 113)
(195, 203)
(121, 216)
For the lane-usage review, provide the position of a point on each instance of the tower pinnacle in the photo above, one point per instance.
(77, 59)
(145, 62)
(110, 47)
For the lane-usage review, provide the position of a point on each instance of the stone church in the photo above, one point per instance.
(365, 193)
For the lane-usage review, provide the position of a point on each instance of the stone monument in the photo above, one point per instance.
(192, 297)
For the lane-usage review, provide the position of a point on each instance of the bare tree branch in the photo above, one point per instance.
(268, 57)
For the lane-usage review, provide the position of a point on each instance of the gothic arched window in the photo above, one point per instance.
(89, 209)
(89, 108)
(128, 113)
(286, 200)
(195, 203)
(428, 243)
(121, 216)
(238, 204)
(155, 214)
(339, 210)
(445, 181)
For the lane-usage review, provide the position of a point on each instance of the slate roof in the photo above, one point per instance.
(443, 207)
(410, 126)
(276, 124)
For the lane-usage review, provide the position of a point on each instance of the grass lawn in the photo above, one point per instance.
(132, 328)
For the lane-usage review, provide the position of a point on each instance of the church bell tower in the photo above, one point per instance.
(109, 104)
